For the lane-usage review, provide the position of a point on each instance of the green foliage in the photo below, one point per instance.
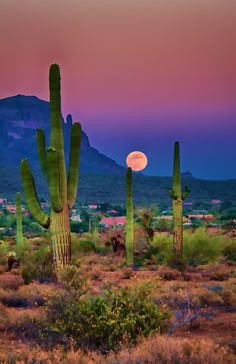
(165, 225)
(229, 251)
(85, 244)
(199, 248)
(202, 247)
(105, 322)
(36, 263)
(164, 246)
(4, 250)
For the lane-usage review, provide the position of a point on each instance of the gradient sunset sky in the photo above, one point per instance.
(138, 74)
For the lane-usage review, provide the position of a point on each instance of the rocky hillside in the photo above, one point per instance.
(21, 115)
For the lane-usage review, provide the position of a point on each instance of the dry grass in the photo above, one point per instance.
(211, 286)
(157, 349)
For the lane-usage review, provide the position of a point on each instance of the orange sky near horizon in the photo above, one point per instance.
(147, 56)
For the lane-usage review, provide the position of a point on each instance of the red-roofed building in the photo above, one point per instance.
(113, 221)
(112, 212)
(215, 202)
(93, 205)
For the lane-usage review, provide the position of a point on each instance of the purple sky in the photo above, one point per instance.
(137, 74)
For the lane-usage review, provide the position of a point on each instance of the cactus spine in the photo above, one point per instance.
(129, 219)
(177, 199)
(19, 231)
(62, 188)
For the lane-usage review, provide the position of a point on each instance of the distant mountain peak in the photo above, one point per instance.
(21, 115)
(187, 174)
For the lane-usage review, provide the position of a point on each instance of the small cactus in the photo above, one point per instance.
(129, 240)
(19, 230)
(177, 198)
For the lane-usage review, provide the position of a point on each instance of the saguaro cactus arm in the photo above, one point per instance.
(56, 135)
(73, 172)
(53, 179)
(42, 154)
(185, 193)
(173, 194)
(19, 232)
(129, 219)
(31, 195)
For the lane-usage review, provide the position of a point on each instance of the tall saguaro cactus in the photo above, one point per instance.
(62, 187)
(19, 231)
(129, 219)
(177, 199)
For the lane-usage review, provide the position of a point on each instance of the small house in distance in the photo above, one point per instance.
(93, 206)
(115, 221)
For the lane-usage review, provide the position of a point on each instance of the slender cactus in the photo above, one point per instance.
(62, 188)
(177, 199)
(19, 231)
(129, 219)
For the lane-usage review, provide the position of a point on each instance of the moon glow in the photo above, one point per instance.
(136, 160)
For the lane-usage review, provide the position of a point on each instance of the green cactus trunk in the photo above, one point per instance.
(178, 229)
(129, 219)
(62, 187)
(60, 238)
(19, 230)
(177, 206)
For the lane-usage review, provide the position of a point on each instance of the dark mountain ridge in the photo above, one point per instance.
(21, 115)
(101, 179)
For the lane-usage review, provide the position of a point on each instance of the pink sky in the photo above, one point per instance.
(136, 60)
(122, 55)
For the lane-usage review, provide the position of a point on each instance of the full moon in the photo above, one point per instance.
(136, 160)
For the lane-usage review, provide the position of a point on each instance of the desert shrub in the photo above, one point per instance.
(200, 247)
(229, 297)
(169, 274)
(127, 273)
(229, 251)
(156, 349)
(168, 350)
(84, 244)
(104, 322)
(13, 299)
(36, 264)
(3, 315)
(206, 297)
(10, 281)
(35, 293)
(4, 249)
(161, 247)
(112, 267)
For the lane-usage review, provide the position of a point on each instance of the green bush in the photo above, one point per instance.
(104, 322)
(229, 251)
(36, 264)
(201, 247)
(164, 246)
(4, 249)
(85, 244)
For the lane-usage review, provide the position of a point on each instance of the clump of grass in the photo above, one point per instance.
(10, 281)
(156, 349)
(127, 273)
